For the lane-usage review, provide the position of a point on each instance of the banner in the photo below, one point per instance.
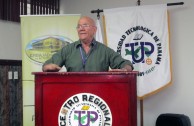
(141, 34)
(99, 37)
(42, 36)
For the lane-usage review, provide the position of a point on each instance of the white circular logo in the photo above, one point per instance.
(84, 109)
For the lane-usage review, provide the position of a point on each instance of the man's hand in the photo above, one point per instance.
(127, 68)
(51, 68)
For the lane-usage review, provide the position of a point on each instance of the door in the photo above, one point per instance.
(10, 93)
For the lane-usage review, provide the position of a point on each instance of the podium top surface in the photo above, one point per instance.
(85, 73)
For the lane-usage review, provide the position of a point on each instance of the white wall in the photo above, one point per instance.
(10, 40)
(177, 98)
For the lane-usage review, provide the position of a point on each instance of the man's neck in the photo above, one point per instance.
(86, 42)
(86, 45)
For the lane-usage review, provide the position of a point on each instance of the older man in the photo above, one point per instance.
(87, 54)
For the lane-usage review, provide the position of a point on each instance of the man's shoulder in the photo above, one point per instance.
(72, 44)
(102, 45)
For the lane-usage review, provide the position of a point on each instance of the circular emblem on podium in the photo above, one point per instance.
(85, 109)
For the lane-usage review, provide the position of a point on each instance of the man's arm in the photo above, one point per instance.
(50, 68)
(127, 68)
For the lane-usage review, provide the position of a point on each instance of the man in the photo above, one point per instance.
(87, 54)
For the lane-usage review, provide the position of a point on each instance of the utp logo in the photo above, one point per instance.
(139, 51)
(85, 109)
(85, 118)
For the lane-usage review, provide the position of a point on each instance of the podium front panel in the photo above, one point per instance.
(114, 94)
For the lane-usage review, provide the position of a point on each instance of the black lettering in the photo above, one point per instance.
(100, 104)
(107, 119)
(156, 38)
(106, 112)
(128, 32)
(152, 33)
(66, 106)
(62, 120)
(140, 73)
(76, 99)
(103, 107)
(159, 44)
(84, 98)
(158, 60)
(70, 102)
(159, 51)
(96, 101)
(123, 36)
(106, 124)
(91, 98)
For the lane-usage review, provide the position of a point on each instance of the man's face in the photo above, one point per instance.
(86, 30)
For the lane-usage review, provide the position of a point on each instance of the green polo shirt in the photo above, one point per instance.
(99, 59)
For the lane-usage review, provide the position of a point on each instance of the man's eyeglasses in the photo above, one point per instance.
(83, 26)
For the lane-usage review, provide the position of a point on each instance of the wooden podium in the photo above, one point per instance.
(85, 99)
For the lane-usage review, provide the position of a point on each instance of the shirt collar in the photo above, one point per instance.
(78, 44)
